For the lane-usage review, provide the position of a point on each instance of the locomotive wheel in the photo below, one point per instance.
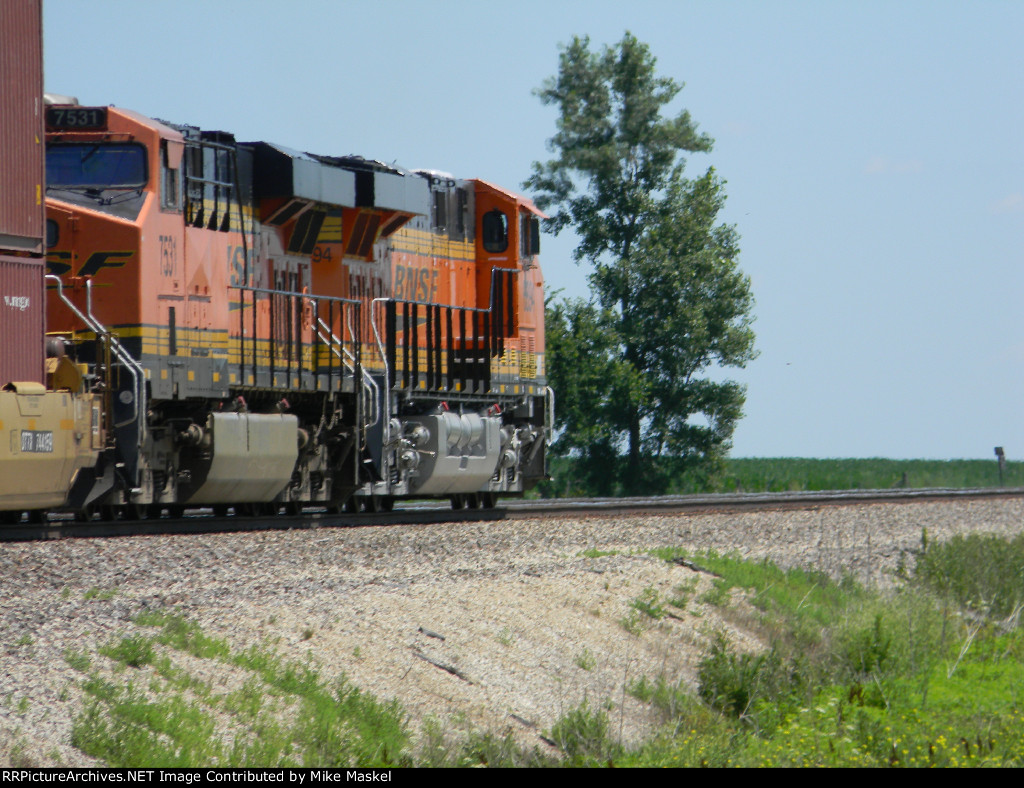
(84, 514)
(371, 504)
(458, 502)
(220, 510)
(387, 503)
(11, 518)
(293, 508)
(352, 505)
(488, 500)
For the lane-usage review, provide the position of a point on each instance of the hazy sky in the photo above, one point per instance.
(873, 153)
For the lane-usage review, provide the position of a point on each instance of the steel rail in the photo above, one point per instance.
(201, 521)
(730, 502)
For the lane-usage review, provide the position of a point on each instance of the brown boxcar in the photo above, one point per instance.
(21, 127)
(21, 192)
(21, 320)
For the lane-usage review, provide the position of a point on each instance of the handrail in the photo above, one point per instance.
(138, 374)
(550, 426)
(386, 426)
(337, 347)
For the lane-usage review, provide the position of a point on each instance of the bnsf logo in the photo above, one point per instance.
(59, 263)
(17, 302)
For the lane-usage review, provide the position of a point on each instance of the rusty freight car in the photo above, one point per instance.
(50, 429)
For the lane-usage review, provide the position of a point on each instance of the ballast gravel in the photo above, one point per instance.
(496, 626)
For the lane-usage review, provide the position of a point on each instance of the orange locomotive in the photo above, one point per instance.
(269, 328)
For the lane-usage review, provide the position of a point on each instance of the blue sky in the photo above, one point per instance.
(873, 153)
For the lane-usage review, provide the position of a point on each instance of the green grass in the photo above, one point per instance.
(779, 475)
(102, 594)
(931, 674)
(585, 660)
(798, 474)
(983, 573)
(853, 677)
(644, 611)
(284, 714)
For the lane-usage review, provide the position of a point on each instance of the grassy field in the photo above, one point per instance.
(793, 474)
(930, 674)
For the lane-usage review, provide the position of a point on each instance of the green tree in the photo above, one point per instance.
(668, 300)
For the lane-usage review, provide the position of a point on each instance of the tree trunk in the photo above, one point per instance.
(634, 471)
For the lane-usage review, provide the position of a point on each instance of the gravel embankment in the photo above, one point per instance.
(531, 626)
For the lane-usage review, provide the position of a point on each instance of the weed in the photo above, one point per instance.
(981, 572)
(123, 728)
(437, 749)
(634, 623)
(582, 734)
(246, 702)
(19, 757)
(183, 635)
(505, 636)
(717, 595)
(25, 640)
(729, 681)
(102, 594)
(78, 660)
(595, 553)
(585, 660)
(324, 723)
(682, 593)
(134, 651)
(648, 604)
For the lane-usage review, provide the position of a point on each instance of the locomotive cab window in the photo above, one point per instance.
(495, 231)
(529, 235)
(170, 176)
(458, 232)
(440, 211)
(96, 166)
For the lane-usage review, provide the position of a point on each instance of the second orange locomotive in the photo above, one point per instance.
(271, 328)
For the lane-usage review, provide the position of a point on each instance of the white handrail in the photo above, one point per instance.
(368, 384)
(138, 374)
(387, 373)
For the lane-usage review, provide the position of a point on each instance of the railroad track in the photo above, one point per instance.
(425, 513)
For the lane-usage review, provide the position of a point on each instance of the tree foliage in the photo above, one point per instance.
(668, 300)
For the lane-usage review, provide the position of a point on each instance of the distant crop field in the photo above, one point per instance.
(782, 474)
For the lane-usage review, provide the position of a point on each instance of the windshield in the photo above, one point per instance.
(90, 165)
